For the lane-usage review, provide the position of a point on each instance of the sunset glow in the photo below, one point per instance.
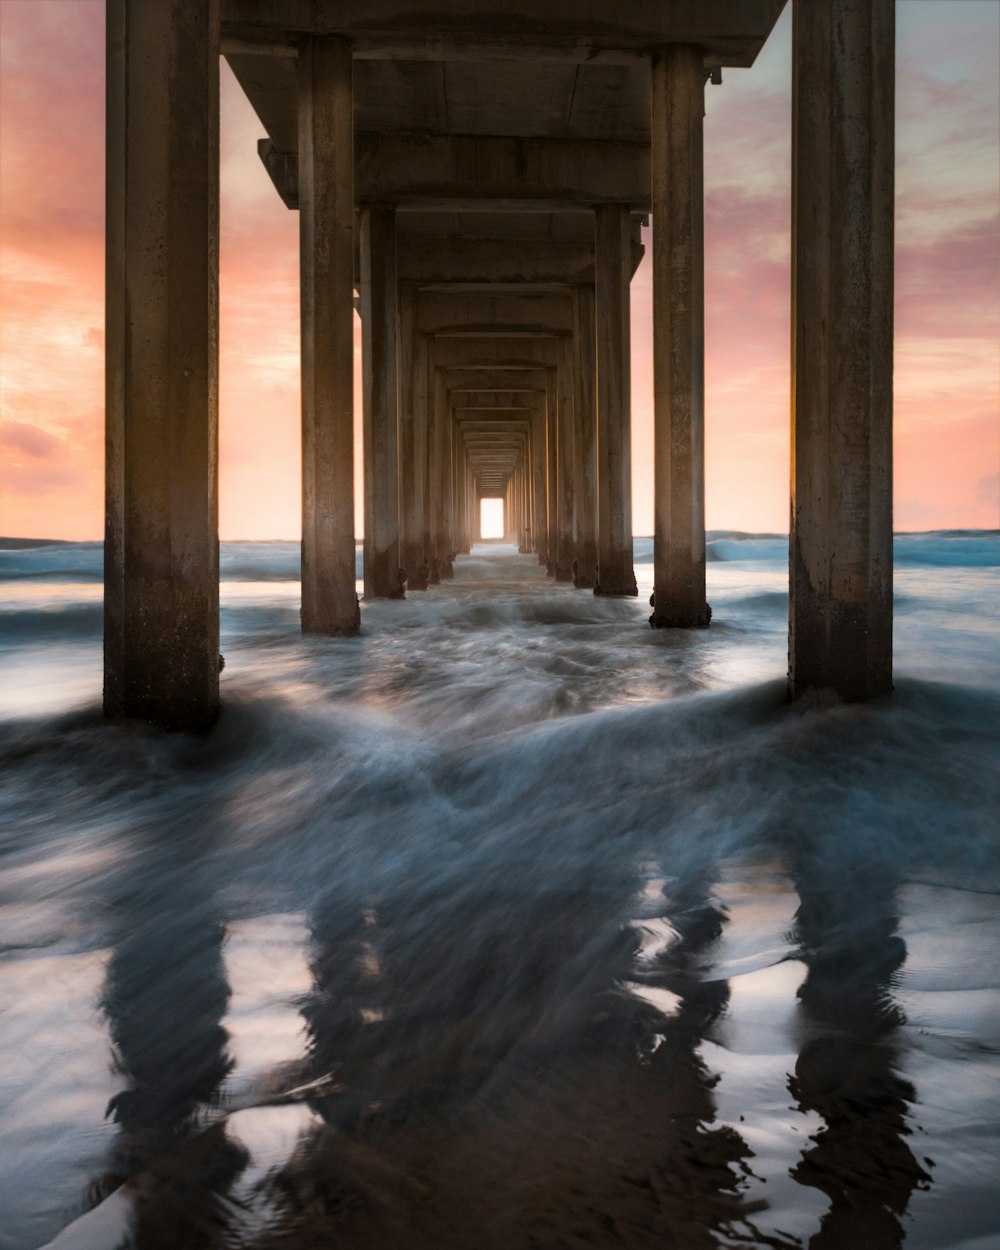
(947, 283)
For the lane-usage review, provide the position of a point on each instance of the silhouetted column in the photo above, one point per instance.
(842, 238)
(539, 442)
(326, 229)
(678, 89)
(565, 464)
(422, 414)
(551, 471)
(585, 428)
(458, 485)
(524, 488)
(410, 433)
(381, 400)
(613, 273)
(441, 497)
(161, 659)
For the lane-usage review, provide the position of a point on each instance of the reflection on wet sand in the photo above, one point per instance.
(847, 1069)
(516, 1067)
(488, 1099)
(165, 999)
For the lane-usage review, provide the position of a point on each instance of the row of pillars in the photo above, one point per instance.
(569, 483)
(543, 444)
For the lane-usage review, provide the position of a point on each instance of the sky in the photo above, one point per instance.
(947, 354)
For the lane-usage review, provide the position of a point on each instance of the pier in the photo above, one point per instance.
(474, 181)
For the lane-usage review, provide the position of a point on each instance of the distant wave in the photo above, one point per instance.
(279, 560)
(81, 622)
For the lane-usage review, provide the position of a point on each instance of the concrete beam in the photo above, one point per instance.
(577, 31)
(486, 401)
(495, 353)
(523, 313)
(491, 261)
(476, 173)
(496, 381)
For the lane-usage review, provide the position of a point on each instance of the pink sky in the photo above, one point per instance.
(947, 284)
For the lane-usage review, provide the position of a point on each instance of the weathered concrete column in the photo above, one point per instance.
(539, 439)
(161, 615)
(423, 412)
(565, 464)
(412, 440)
(441, 495)
(613, 273)
(552, 471)
(458, 489)
(472, 496)
(840, 625)
(422, 438)
(678, 106)
(524, 498)
(381, 400)
(326, 228)
(585, 428)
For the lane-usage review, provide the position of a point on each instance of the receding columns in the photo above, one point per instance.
(840, 625)
(613, 273)
(678, 89)
(585, 430)
(381, 400)
(326, 228)
(161, 659)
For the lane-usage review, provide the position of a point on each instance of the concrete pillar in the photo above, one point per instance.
(678, 90)
(412, 442)
(539, 436)
(441, 496)
(421, 444)
(422, 413)
(551, 472)
(472, 497)
(523, 532)
(381, 400)
(161, 658)
(840, 625)
(465, 486)
(585, 429)
(326, 230)
(613, 273)
(529, 492)
(565, 463)
(458, 480)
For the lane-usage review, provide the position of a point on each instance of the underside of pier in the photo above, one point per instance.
(474, 178)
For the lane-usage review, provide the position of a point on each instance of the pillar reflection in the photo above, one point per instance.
(848, 1066)
(504, 1078)
(165, 999)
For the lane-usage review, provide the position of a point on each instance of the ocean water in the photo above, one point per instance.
(511, 924)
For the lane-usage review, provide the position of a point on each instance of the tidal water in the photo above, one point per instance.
(511, 924)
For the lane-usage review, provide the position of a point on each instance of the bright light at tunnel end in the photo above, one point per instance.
(491, 523)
